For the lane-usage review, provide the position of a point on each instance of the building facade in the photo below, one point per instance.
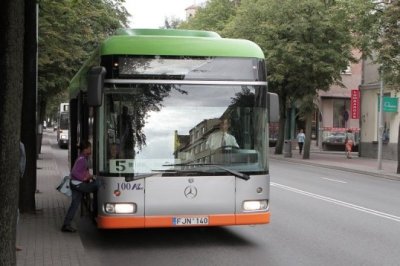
(370, 89)
(336, 117)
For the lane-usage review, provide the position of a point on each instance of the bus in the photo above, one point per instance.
(63, 125)
(150, 101)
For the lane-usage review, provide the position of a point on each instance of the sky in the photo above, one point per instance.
(152, 13)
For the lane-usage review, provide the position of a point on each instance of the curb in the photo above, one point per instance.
(335, 167)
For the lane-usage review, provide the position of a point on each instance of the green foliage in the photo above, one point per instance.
(213, 17)
(68, 31)
(361, 17)
(305, 43)
(376, 31)
(171, 23)
(388, 44)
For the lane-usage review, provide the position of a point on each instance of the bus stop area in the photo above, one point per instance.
(39, 235)
(43, 243)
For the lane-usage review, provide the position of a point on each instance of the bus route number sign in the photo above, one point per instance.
(121, 166)
(187, 221)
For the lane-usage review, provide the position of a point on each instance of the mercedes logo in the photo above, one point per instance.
(190, 192)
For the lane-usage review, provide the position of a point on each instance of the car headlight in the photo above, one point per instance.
(64, 137)
(255, 205)
(120, 208)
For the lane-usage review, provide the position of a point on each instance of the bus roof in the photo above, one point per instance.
(165, 42)
(177, 43)
(167, 32)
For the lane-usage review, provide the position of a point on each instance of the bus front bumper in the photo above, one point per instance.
(119, 222)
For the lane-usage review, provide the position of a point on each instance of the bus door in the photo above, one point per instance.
(189, 200)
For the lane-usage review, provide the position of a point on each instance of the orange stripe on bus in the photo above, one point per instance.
(115, 222)
(253, 218)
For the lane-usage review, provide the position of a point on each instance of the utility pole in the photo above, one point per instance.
(380, 123)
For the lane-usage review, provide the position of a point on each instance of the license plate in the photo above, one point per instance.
(186, 221)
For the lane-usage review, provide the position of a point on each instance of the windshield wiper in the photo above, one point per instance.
(233, 172)
(136, 177)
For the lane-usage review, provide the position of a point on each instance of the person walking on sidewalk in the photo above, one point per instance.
(300, 140)
(348, 144)
(81, 182)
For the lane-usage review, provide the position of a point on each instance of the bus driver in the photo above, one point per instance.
(221, 138)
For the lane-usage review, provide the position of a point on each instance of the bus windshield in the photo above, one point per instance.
(171, 128)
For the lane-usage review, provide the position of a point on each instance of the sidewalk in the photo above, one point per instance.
(43, 243)
(338, 160)
(39, 234)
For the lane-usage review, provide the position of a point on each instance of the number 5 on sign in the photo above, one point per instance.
(121, 166)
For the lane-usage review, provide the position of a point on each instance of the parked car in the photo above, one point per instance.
(336, 141)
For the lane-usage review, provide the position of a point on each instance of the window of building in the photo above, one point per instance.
(341, 112)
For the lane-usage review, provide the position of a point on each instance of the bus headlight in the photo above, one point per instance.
(255, 205)
(119, 208)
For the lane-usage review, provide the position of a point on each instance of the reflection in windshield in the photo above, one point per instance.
(158, 125)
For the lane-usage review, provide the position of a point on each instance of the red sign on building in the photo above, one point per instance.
(355, 104)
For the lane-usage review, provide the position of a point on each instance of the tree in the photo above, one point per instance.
(28, 117)
(307, 108)
(213, 17)
(377, 33)
(388, 49)
(387, 44)
(171, 23)
(306, 45)
(68, 32)
(11, 68)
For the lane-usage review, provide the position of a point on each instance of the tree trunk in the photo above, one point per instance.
(28, 123)
(11, 62)
(307, 141)
(398, 151)
(282, 122)
(42, 110)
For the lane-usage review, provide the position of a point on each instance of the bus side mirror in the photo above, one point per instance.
(95, 83)
(273, 107)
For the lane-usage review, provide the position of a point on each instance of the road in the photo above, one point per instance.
(319, 217)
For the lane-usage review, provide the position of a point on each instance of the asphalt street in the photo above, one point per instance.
(319, 216)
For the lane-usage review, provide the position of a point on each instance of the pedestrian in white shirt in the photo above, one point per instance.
(300, 140)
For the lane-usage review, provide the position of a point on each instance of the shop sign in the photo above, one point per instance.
(390, 104)
(355, 104)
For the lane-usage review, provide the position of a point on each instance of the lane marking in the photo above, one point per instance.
(334, 180)
(339, 202)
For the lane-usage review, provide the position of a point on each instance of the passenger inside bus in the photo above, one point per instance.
(113, 151)
(222, 138)
(125, 131)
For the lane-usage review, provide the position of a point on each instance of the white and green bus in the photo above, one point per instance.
(154, 103)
